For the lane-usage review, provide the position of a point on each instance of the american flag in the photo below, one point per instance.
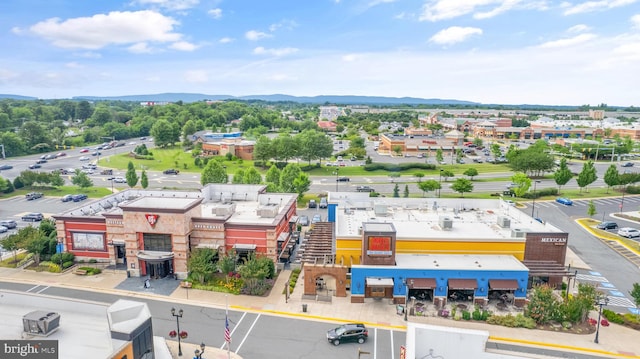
(227, 332)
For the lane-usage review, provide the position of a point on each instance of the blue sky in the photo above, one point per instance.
(569, 52)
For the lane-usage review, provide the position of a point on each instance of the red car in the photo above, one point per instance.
(84, 150)
(61, 154)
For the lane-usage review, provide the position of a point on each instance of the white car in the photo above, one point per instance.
(84, 158)
(3, 229)
(628, 232)
(119, 180)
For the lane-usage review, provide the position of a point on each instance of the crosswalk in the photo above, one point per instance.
(628, 200)
(615, 297)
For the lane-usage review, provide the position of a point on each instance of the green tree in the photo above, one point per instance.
(471, 172)
(446, 174)
(428, 186)
(563, 174)
(439, 155)
(255, 270)
(397, 149)
(164, 133)
(419, 176)
(591, 209)
(635, 294)
(611, 177)
(587, 176)
(238, 177)
(396, 191)
(144, 180)
(522, 182)
(288, 176)
(227, 263)
(252, 176)
(543, 305)
(477, 141)
(495, 150)
(406, 191)
(462, 185)
(188, 129)
(301, 184)
(12, 243)
(213, 172)
(273, 176)
(263, 151)
(81, 180)
(200, 264)
(131, 175)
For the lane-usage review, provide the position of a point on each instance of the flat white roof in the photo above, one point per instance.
(415, 218)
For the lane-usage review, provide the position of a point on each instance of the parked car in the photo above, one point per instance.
(323, 202)
(628, 232)
(89, 166)
(607, 225)
(34, 166)
(5, 167)
(33, 195)
(33, 217)
(312, 203)
(342, 179)
(316, 218)
(3, 229)
(565, 201)
(79, 197)
(67, 198)
(353, 332)
(364, 189)
(9, 223)
(303, 220)
(628, 164)
(171, 171)
(106, 172)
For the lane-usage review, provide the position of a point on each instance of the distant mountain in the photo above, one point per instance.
(332, 99)
(17, 97)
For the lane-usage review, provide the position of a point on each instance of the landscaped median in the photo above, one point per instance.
(590, 225)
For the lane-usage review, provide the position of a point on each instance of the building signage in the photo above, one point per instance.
(553, 240)
(379, 246)
(152, 219)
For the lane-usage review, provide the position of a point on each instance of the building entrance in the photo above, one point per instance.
(157, 270)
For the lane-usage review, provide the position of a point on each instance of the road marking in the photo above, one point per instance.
(375, 343)
(42, 290)
(393, 355)
(248, 332)
(234, 328)
(32, 288)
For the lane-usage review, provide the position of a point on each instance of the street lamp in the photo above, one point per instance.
(533, 206)
(178, 316)
(602, 301)
(440, 182)
(199, 352)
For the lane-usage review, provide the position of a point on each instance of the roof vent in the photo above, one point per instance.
(504, 222)
(518, 233)
(446, 223)
(41, 323)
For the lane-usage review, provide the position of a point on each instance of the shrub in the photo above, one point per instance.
(612, 316)
(66, 265)
(541, 193)
(93, 261)
(633, 189)
(518, 321)
(397, 167)
(466, 315)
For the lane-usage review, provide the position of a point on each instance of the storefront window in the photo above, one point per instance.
(157, 242)
(89, 241)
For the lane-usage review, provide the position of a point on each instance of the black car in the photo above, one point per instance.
(40, 161)
(312, 203)
(78, 197)
(5, 167)
(628, 164)
(33, 195)
(607, 225)
(34, 166)
(348, 333)
(171, 172)
(364, 189)
(342, 179)
(33, 217)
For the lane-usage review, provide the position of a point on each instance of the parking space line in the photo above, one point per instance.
(393, 355)
(248, 332)
(375, 343)
(32, 288)
(42, 290)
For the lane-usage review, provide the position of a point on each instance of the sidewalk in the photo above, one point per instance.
(615, 340)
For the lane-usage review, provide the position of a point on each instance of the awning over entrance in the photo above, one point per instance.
(421, 283)
(208, 245)
(117, 242)
(245, 247)
(154, 256)
(293, 219)
(463, 284)
(379, 282)
(503, 284)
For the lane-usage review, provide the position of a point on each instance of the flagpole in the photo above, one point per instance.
(226, 305)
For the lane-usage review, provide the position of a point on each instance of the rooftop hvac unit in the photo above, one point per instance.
(504, 222)
(224, 209)
(380, 209)
(518, 233)
(446, 223)
(41, 323)
(269, 210)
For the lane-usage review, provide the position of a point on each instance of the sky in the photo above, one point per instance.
(569, 52)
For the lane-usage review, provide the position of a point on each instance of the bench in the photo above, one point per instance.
(80, 272)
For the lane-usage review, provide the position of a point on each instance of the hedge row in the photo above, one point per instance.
(397, 167)
(541, 193)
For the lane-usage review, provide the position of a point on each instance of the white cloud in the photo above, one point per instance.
(501, 8)
(435, 10)
(454, 34)
(590, 6)
(196, 76)
(183, 46)
(578, 28)
(140, 48)
(89, 55)
(226, 40)
(254, 35)
(170, 4)
(215, 13)
(378, 2)
(73, 65)
(635, 20)
(568, 42)
(281, 77)
(284, 24)
(114, 28)
(274, 52)
(350, 57)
